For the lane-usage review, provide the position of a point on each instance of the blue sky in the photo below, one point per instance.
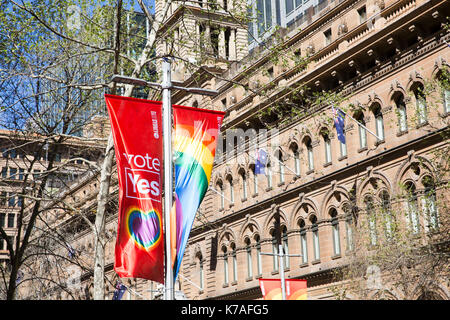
(151, 4)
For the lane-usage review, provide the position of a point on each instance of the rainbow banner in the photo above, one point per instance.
(296, 289)
(194, 146)
(137, 131)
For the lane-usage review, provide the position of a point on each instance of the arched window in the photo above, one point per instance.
(234, 259)
(310, 155)
(401, 113)
(327, 147)
(248, 250)
(362, 131)
(230, 185)
(285, 244)
(371, 219)
(444, 80)
(258, 255)
(255, 181)
(379, 124)
(349, 225)
(446, 103)
(387, 214)
(343, 148)
(274, 251)
(335, 232)
(244, 184)
(303, 241)
(412, 207)
(221, 194)
(421, 104)
(280, 161)
(429, 204)
(200, 271)
(269, 175)
(296, 156)
(225, 266)
(315, 234)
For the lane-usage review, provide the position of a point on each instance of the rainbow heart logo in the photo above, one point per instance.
(144, 227)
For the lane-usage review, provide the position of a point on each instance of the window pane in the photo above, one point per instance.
(249, 262)
(412, 208)
(275, 254)
(297, 163)
(432, 211)
(380, 127)
(447, 100)
(336, 240)
(304, 248)
(225, 270)
(255, 183)
(201, 274)
(269, 176)
(372, 228)
(421, 110)
(281, 168)
(327, 150)
(231, 192)
(402, 118)
(285, 249)
(11, 217)
(362, 136)
(250, 23)
(343, 148)
(289, 6)
(349, 230)
(316, 245)
(260, 15)
(268, 14)
(310, 158)
(234, 266)
(258, 256)
(12, 173)
(244, 186)
(2, 219)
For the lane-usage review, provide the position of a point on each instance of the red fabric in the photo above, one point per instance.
(137, 129)
(296, 289)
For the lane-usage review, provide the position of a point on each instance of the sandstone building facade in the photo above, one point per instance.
(380, 57)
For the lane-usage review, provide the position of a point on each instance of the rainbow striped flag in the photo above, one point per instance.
(194, 146)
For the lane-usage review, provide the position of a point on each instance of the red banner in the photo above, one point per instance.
(137, 129)
(295, 289)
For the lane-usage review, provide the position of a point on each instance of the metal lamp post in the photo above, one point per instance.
(166, 86)
(281, 256)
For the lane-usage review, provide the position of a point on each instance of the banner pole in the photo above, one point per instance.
(167, 139)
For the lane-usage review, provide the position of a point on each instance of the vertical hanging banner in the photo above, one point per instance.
(296, 289)
(194, 146)
(137, 130)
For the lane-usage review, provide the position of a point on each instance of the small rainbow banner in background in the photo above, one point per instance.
(296, 289)
(194, 146)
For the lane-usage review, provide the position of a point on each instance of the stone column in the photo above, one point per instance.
(241, 43)
(232, 45)
(222, 47)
